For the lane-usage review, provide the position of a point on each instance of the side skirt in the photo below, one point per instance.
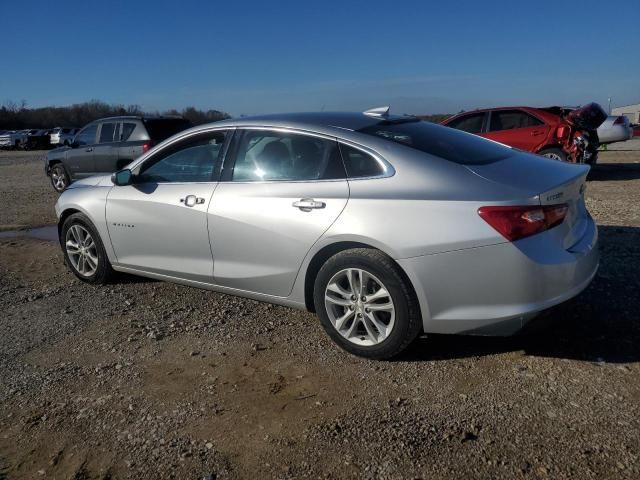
(215, 288)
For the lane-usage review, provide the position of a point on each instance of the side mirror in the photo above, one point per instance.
(122, 177)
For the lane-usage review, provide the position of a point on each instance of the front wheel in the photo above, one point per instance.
(59, 178)
(365, 304)
(83, 250)
(554, 154)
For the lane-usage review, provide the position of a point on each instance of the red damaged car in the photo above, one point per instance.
(567, 134)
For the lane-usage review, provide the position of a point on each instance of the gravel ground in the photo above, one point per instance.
(142, 379)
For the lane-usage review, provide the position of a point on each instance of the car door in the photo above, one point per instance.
(105, 153)
(282, 191)
(517, 128)
(79, 159)
(158, 224)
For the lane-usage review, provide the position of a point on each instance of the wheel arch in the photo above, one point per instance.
(551, 145)
(326, 252)
(66, 214)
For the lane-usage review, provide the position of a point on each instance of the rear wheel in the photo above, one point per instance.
(83, 250)
(554, 154)
(59, 178)
(365, 304)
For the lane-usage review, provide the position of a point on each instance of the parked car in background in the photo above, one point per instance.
(385, 226)
(636, 129)
(555, 132)
(38, 140)
(62, 135)
(616, 128)
(107, 145)
(14, 139)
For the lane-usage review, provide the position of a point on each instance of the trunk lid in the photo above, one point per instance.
(552, 181)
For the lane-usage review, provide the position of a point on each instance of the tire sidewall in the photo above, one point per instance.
(392, 281)
(104, 267)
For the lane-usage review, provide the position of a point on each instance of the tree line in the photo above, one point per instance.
(15, 116)
(18, 116)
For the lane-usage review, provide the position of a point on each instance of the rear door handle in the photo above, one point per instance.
(191, 200)
(307, 204)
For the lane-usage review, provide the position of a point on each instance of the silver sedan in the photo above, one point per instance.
(385, 226)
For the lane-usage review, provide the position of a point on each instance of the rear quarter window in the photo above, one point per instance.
(444, 142)
(360, 164)
(127, 130)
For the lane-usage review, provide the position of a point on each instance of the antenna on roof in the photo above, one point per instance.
(378, 112)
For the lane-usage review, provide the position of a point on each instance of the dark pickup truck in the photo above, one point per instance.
(107, 145)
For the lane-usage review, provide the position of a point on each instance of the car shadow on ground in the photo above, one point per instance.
(614, 171)
(601, 325)
(128, 278)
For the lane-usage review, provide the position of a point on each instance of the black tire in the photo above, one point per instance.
(103, 272)
(408, 322)
(554, 153)
(59, 178)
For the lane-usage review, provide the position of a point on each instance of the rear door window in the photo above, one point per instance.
(107, 131)
(469, 123)
(512, 119)
(265, 155)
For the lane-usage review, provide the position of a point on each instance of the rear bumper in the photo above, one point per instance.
(497, 289)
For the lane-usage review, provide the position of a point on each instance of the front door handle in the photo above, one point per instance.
(307, 204)
(535, 133)
(191, 200)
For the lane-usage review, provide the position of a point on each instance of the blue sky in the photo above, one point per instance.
(251, 57)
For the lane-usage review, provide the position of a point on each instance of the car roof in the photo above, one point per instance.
(322, 122)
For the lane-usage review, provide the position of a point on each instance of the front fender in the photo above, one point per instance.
(90, 201)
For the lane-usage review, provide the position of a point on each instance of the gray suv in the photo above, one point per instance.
(107, 145)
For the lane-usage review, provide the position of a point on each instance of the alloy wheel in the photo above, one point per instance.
(81, 250)
(553, 156)
(359, 306)
(59, 179)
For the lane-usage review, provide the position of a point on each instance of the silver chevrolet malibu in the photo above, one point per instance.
(385, 226)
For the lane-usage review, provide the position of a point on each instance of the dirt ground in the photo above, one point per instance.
(143, 379)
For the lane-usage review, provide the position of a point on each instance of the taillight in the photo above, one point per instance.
(619, 120)
(146, 147)
(516, 222)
